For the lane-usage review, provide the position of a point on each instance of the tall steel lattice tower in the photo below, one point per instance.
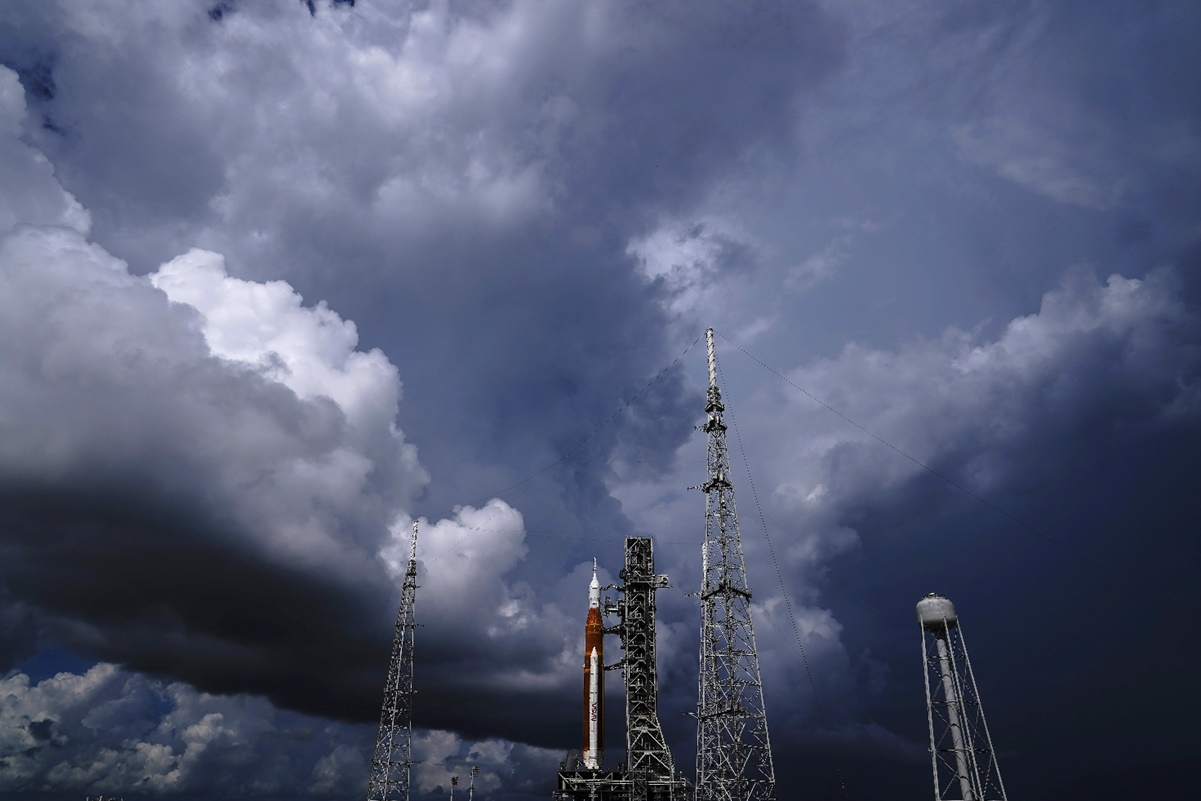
(961, 752)
(393, 758)
(651, 770)
(733, 751)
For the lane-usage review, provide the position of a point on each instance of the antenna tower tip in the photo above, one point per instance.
(712, 353)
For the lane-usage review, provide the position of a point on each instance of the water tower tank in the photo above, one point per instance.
(936, 611)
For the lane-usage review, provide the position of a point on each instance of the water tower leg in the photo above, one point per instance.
(954, 704)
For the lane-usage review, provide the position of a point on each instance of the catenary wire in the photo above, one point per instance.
(771, 550)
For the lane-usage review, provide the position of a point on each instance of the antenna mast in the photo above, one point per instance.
(393, 756)
(733, 751)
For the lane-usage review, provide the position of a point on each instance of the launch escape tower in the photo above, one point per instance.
(961, 752)
(733, 751)
(390, 766)
(649, 773)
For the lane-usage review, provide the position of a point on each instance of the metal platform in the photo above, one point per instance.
(619, 785)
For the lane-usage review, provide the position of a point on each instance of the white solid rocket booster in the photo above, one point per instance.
(590, 756)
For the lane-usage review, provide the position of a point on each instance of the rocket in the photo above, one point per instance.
(594, 679)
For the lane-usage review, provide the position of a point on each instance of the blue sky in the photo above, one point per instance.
(276, 281)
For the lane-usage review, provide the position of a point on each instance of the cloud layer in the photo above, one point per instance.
(204, 479)
(230, 230)
(110, 731)
(164, 472)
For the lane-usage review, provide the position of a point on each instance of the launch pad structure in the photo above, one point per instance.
(648, 773)
(733, 761)
(734, 758)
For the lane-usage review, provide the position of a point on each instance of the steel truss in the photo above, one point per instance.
(392, 762)
(646, 747)
(961, 751)
(618, 785)
(649, 773)
(733, 760)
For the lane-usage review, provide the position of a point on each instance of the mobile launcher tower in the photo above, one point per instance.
(961, 751)
(649, 773)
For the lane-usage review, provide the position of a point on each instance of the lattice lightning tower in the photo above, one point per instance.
(733, 759)
(393, 758)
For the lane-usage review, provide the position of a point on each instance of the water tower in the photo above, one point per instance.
(961, 751)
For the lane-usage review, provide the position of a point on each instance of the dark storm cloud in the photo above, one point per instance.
(151, 589)
(687, 89)
(159, 503)
(1083, 123)
(201, 474)
(598, 112)
(1097, 358)
(529, 208)
(478, 169)
(175, 509)
(18, 631)
(1083, 422)
(199, 492)
(190, 502)
(1098, 132)
(1082, 419)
